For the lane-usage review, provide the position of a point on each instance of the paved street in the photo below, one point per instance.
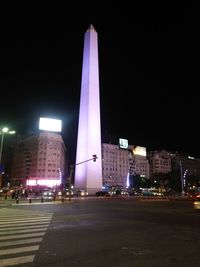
(100, 232)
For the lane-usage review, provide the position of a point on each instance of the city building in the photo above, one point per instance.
(141, 165)
(187, 163)
(88, 174)
(39, 160)
(115, 165)
(160, 162)
(118, 163)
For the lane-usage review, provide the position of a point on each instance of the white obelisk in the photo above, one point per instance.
(88, 174)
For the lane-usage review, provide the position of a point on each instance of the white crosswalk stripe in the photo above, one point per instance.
(20, 242)
(25, 220)
(21, 233)
(3, 228)
(16, 261)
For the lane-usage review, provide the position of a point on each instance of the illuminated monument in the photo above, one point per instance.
(88, 174)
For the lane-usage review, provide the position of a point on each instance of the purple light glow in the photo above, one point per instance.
(89, 175)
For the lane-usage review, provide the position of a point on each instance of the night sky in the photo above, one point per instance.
(147, 68)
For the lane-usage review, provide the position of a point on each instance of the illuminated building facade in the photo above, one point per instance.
(116, 163)
(141, 163)
(88, 175)
(39, 160)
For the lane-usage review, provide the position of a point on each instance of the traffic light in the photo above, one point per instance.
(94, 157)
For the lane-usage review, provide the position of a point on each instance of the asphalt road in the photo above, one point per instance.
(106, 232)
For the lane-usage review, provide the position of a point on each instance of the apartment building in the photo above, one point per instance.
(118, 163)
(39, 159)
(160, 162)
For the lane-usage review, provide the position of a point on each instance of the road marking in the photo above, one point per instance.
(18, 220)
(27, 224)
(2, 228)
(21, 236)
(20, 242)
(18, 250)
(21, 232)
(31, 220)
(16, 261)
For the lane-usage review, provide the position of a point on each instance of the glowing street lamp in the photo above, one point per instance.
(4, 131)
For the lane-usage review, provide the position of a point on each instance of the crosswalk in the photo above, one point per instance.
(21, 232)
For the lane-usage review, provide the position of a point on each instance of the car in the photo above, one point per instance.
(47, 194)
(102, 193)
(195, 196)
(64, 193)
(196, 204)
(67, 193)
(82, 193)
(124, 193)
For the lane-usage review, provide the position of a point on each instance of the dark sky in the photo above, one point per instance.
(147, 66)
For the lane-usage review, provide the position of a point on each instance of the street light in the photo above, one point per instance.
(182, 182)
(4, 131)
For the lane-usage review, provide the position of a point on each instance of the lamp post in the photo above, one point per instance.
(4, 131)
(182, 183)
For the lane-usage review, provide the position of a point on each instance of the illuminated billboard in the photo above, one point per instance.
(43, 182)
(139, 150)
(52, 125)
(123, 143)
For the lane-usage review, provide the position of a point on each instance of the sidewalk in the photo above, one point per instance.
(30, 201)
(10, 201)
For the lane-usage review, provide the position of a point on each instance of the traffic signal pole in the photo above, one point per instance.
(94, 157)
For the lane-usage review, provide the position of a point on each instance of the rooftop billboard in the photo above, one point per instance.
(48, 124)
(123, 143)
(139, 150)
